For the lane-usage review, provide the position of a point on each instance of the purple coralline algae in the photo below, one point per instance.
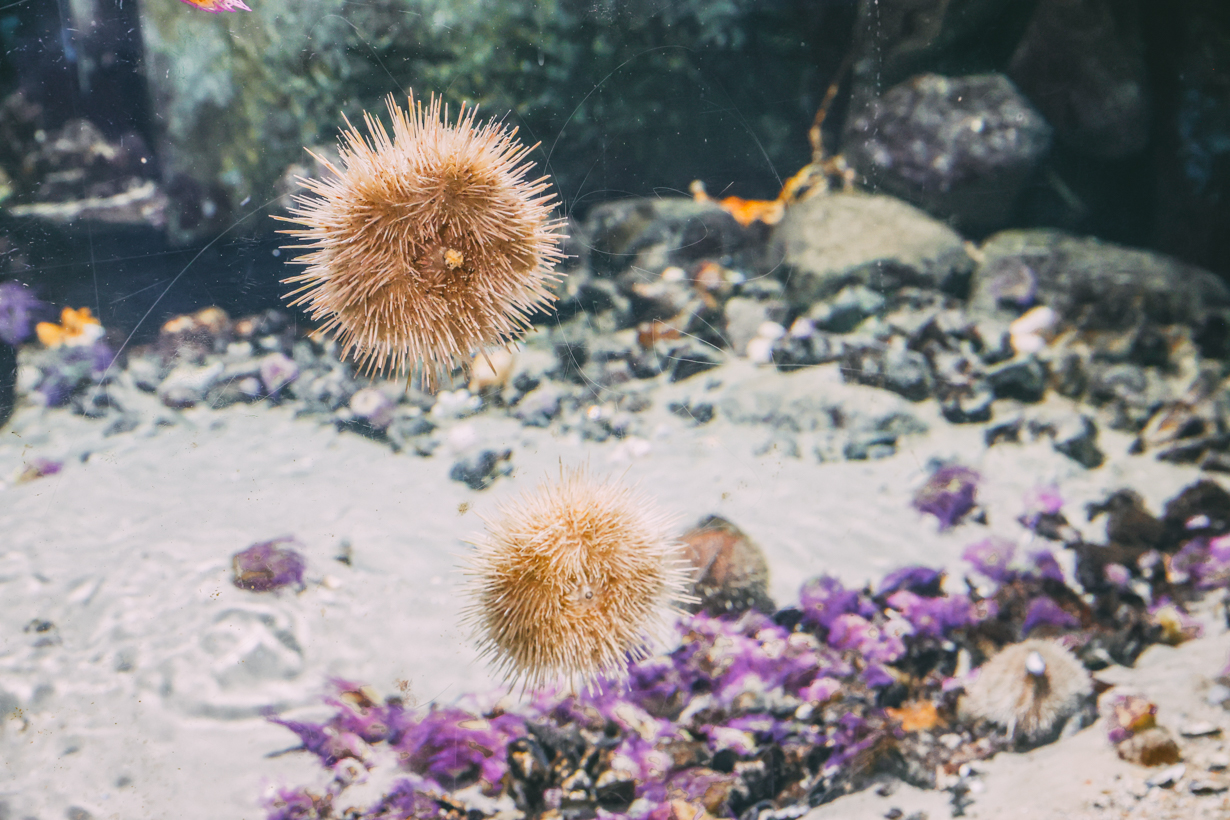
(268, 565)
(917, 579)
(18, 309)
(991, 557)
(1045, 613)
(949, 494)
(822, 600)
(277, 370)
(797, 708)
(932, 617)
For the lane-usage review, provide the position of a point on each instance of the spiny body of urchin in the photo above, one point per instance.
(573, 580)
(1033, 689)
(428, 245)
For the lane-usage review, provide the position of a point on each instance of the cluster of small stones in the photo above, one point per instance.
(677, 292)
(596, 389)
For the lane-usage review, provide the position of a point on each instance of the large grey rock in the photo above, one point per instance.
(634, 96)
(828, 242)
(959, 147)
(1093, 285)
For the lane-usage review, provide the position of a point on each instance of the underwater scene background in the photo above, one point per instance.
(589, 409)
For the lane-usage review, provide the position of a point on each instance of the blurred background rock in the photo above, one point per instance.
(135, 134)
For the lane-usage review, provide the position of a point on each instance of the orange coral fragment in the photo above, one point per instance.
(76, 328)
(916, 716)
(745, 211)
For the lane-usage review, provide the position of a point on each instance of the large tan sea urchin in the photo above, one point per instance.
(426, 246)
(572, 580)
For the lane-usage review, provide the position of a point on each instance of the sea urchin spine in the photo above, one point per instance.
(427, 246)
(573, 579)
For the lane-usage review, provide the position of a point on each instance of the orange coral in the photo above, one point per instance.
(77, 328)
(916, 716)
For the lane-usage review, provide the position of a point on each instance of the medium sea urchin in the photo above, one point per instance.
(573, 579)
(426, 246)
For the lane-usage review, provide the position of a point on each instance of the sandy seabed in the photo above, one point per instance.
(133, 674)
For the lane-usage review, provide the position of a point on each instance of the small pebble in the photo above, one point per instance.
(1168, 777)
(1206, 787)
(1200, 729)
(1219, 762)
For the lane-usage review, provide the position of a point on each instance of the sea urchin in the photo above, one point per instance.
(573, 579)
(427, 246)
(1036, 690)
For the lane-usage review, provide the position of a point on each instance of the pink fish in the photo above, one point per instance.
(215, 6)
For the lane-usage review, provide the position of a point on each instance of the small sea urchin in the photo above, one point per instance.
(1036, 690)
(427, 246)
(573, 579)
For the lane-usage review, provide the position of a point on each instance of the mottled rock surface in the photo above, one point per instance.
(959, 147)
(827, 243)
(1095, 285)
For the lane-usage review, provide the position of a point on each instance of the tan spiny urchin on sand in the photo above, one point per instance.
(1033, 689)
(427, 246)
(573, 580)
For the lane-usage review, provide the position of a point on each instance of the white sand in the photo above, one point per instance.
(147, 704)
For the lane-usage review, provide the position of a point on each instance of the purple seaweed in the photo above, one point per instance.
(949, 494)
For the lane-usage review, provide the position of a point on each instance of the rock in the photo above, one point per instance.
(692, 357)
(1207, 786)
(186, 385)
(805, 346)
(480, 471)
(538, 407)
(1154, 746)
(869, 446)
(850, 307)
(572, 356)
(1200, 728)
(277, 370)
(826, 243)
(369, 413)
(743, 320)
(326, 392)
(78, 174)
(1022, 379)
(958, 147)
(1081, 64)
(730, 572)
(410, 432)
(1168, 777)
(1095, 285)
(654, 234)
(891, 367)
(968, 405)
(269, 565)
(699, 413)
(1077, 438)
